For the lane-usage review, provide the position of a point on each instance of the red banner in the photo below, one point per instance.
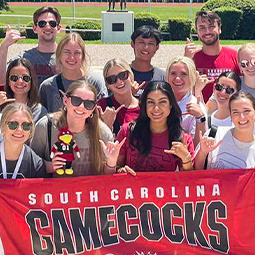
(185, 213)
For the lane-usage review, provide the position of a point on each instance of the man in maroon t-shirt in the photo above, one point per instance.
(212, 59)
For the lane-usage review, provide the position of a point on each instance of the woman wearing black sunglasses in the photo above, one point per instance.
(21, 86)
(80, 115)
(71, 61)
(122, 107)
(17, 159)
(227, 84)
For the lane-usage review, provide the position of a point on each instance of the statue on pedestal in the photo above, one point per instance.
(112, 2)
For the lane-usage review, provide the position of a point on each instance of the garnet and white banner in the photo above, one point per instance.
(182, 213)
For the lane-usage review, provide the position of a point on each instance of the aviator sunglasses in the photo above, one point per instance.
(220, 87)
(76, 101)
(113, 78)
(13, 125)
(245, 63)
(24, 77)
(42, 23)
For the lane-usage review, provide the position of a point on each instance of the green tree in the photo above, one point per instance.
(4, 5)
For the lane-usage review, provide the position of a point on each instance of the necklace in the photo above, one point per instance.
(240, 146)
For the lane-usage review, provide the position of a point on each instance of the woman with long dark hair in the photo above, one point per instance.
(155, 140)
(21, 86)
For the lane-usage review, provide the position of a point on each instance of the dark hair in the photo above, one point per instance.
(147, 32)
(33, 97)
(233, 76)
(45, 9)
(242, 94)
(140, 133)
(208, 15)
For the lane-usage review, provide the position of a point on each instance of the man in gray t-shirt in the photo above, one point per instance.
(46, 26)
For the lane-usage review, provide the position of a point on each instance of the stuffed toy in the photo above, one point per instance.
(67, 146)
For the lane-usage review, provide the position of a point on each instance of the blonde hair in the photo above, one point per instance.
(247, 46)
(92, 124)
(122, 63)
(16, 107)
(72, 37)
(189, 63)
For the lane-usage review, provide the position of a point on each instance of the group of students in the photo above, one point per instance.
(137, 118)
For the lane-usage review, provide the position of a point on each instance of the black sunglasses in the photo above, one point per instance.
(13, 125)
(88, 104)
(113, 78)
(24, 77)
(42, 23)
(245, 63)
(220, 87)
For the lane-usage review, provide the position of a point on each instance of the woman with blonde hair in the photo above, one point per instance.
(122, 107)
(182, 76)
(80, 116)
(17, 159)
(71, 62)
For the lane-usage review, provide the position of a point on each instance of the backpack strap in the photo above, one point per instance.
(49, 126)
(116, 125)
(60, 84)
(212, 133)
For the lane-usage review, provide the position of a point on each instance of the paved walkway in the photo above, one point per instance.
(99, 54)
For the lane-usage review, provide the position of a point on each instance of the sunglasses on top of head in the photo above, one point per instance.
(245, 63)
(76, 101)
(13, 125)
(114, 78)
(24, 77)
(43, 23)
(220, 87)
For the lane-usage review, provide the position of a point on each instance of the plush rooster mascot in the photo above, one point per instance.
(67, 146)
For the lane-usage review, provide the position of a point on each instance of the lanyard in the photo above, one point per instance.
(3, 162)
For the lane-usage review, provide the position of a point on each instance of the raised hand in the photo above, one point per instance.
(58, 162)
(111, 151)
(201, 82)
(194, 109)
(180, 149)
(136, 86)
(11, 37)
(4, 99)
(207, 144)
(190, 49)
(109, 115)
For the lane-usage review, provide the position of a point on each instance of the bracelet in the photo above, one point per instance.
(110, 166)
(184, 163)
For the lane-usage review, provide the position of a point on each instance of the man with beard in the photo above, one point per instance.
(212, 59)
(46, 26)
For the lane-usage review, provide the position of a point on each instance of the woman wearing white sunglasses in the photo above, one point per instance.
(80, 116)
(17, 159)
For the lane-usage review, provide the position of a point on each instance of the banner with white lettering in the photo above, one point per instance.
(183, 213)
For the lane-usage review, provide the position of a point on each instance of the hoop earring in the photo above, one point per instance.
(91, 115)
(64, 108)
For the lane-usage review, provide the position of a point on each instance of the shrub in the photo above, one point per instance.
(246, 28)
(164, 30)
(2, 30)
(87, 24)
(230, 18)
(179, 29)
(29, 31)
(146, 18)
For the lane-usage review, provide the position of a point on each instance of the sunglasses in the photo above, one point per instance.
(24, 77)
(245, 63)
(113, 78)
(13, 125)
(88, 104)
(43, 23)
(220, 87)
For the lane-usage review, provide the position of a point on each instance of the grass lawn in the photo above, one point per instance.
(164, 12)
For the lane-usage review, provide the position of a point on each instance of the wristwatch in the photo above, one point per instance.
(201, 119)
